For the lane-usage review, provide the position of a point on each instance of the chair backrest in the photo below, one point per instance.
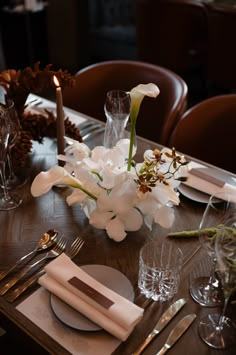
(221, 70)
(207, 132)
(157, 117)
(172, 33)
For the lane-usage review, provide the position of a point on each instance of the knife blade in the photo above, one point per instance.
(163, 321)
(177, 332)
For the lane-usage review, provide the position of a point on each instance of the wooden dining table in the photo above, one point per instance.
(22, 227)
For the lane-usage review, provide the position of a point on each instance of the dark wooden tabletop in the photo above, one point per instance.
(22, 227)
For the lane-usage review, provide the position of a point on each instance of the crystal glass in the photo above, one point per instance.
(8, 200)
(117, 110)
(207, 291)
(218, 330)
(159, 270)
(12, 179)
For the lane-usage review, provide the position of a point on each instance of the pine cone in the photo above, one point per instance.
(38, 124)
(41, 126)
(21, 150)
(70, 130)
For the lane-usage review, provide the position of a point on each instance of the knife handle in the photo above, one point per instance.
(146, 342)
(163, 350)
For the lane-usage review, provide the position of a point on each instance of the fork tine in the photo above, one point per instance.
(60, 244)
(75, 247)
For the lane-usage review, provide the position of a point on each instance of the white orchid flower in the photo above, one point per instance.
(163, 215)
(152, 202)
(79, 150)
(116, 213)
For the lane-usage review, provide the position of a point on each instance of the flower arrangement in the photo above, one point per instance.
(18, 84)
(116, 193)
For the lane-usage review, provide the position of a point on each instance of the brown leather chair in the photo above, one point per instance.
(221, 68)
(157, 117)
(172, 33)
(207, 132)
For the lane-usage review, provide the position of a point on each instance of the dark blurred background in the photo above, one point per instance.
(72, 34)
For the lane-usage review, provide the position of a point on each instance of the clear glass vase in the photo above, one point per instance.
(117, 110)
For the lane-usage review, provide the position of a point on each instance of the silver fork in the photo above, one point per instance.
(53, 253)
(71, 252)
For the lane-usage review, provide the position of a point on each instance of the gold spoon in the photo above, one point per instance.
(45, 242)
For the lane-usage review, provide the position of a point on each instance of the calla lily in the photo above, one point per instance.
(45, 180)
(137, 94)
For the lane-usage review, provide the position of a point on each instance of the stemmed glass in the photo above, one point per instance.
(117, 110)
(8, 200)
(207, 291)
(217, 330)
(13, 180)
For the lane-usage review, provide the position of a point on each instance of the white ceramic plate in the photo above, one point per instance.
(109, 277)
(193, 194)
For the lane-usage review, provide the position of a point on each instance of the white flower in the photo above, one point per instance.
(116, 213)
(115, 194)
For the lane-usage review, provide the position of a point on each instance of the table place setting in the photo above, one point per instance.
(77, 288)
(203, 179)
(129, 290)
(112, 312)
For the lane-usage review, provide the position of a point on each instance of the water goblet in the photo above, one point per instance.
(8, 200)
(207, 291)
(218, 330)
(13, 180)
(117, 110)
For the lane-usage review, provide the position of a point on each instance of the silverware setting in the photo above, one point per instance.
(177, 332)
(46, 241)
(72, 251)
(58, 248)
(166, 317)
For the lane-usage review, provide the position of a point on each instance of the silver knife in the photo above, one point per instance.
(177, 332)
(163, 321)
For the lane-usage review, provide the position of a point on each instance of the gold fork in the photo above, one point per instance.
(71, 252)
(53, 253)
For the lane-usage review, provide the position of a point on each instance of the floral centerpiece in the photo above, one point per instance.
(18, 84)
(116, 193)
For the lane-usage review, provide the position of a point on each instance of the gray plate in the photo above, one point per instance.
(193, 194)
(110, 278)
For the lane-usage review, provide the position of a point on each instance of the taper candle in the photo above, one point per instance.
(60, 120)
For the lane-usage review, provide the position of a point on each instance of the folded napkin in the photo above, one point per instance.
(211, 181)
(103, 306)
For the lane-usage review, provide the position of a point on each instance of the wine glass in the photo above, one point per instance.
(217, 330)
(8, 200)
(207, 291)
(117, 110)
(13, 180)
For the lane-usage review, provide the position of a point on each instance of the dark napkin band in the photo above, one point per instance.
(207, 175)
(91, 292)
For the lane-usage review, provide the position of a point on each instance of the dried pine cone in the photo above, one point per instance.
(70, 130)
(19, 84)
(21, 150)
(45, 126)
(37, 124)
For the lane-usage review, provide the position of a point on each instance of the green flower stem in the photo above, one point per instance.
(79, 186)
(131, 144)
(195, 233)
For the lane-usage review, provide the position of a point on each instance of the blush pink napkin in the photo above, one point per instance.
(208, 187)
(119, 320)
